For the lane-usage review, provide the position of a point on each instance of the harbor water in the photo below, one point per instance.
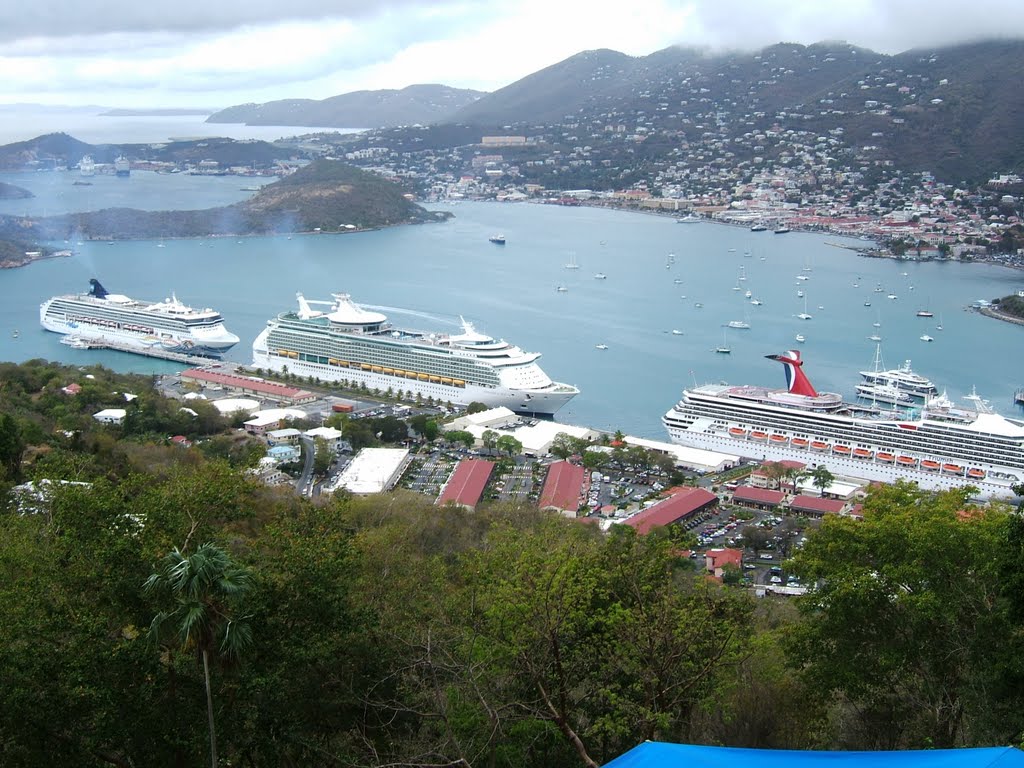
(661, 311)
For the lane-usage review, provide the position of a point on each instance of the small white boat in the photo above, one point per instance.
(801, 338)
(678, 281)
(676, 332)
(926, 337)
(600, 276)
(874, 337)
(561, 289)
(602, 346)
(891, 296)
(756, 302)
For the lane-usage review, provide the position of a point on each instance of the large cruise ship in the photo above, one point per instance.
(350, 342)
(938, 445)
(136, 326)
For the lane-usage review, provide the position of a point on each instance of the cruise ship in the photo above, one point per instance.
(350, 342)
(137, 326)
(938, 446)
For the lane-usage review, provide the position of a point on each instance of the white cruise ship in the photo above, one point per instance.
(137, 326)
(349, 342)
(938, 446)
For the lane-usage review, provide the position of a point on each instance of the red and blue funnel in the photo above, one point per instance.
(796, 380)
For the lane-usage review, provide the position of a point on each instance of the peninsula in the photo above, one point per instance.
(325, 196)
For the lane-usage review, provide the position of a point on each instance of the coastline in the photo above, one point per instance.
(997, 315)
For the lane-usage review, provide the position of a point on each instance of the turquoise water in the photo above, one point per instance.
(510, 291)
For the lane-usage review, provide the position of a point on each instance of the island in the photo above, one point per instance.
(326, 196)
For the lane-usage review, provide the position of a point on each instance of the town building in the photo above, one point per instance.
(684, 503)
(373, 470)
(564, 489)
(716, 560)
(466, 485)
(110, 415)
(268, 390)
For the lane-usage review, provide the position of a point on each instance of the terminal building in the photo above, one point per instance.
(373, 470)
(268, 390)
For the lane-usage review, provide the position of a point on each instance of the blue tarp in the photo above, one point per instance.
(654, 754)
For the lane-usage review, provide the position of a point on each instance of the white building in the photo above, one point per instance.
(329, 435)
(696, 459)
(373, 470)
(536, 435)
(110, 415)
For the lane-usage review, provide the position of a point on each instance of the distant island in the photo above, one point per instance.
(414, 105)
(327, 196)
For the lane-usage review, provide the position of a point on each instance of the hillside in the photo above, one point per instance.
(325, 196)
(416, 104)
(954, 112)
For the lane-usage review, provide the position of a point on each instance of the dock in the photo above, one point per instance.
(178, 357)
(1018, 397)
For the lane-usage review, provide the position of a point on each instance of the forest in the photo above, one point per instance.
(163, 608)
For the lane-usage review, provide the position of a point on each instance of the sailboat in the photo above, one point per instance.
(724, 348)
(572, 261)
(804, 315)
(938, 326)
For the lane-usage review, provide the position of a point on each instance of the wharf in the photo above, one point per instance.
(162, 354)
(1018, 397)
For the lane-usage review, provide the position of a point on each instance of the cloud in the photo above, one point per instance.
(193, 53)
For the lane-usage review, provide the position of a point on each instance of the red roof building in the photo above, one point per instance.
(564, 488)
(466, 485)
(72, 389)
(715, 560)
(686, 503)
(815, 505)
(268, 389)
(761, 498)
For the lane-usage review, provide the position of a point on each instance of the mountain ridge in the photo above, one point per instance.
(415, 104)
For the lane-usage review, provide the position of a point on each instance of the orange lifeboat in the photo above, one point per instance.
(906, 461)
(737, 432)
(862, 453)
(888, 458)
(757, 435)
(779, 439)
(818, 445)
(799, 442)
(952, 469)
(842, 450)
(931, 466)
(976, 473)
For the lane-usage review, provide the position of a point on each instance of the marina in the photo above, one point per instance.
(445, 269)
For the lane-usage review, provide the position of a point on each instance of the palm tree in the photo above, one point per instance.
(204, 588)
(821, 478)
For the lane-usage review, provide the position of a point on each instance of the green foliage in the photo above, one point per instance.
(475, 407)
(899, 626)
(508, 444)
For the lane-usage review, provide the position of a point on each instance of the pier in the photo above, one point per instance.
(178, 357)
(1018, 397)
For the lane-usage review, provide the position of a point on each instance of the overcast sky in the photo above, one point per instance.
(215, 53)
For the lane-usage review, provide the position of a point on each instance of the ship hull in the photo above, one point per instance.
(865, 469)
(539, 403)
(695, 428)
(149, 339)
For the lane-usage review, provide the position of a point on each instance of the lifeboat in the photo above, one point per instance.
(799, 442)
(779, 439)
(862, 453)
(888, 458)
(817, 445)
(952, 469)
(976, 473)
(756, 435)
(931, 466)
(737, 432)
(842, 450)
(906, 461)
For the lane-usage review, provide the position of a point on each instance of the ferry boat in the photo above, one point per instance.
(138, 326)
(86, 166)
(349, 342)
(497, 239)
(122, 166)
(934, 446)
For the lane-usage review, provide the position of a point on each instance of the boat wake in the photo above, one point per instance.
(413, 313)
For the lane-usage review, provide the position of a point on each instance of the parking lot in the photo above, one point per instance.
(428, 477)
